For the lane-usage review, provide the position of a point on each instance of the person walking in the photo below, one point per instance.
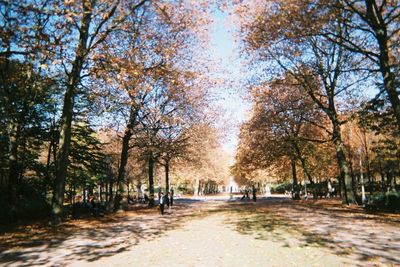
(167, 200)
(161, 202)
(254, 194)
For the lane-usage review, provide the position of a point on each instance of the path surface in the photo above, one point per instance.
(216, 233)
(211, 242)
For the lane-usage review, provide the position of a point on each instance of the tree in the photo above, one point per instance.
(371, 30)
(26, 104)
(145, 61)
(325, 70)
(25, 87)
(282, 128)
(87, 32)
(379, 138)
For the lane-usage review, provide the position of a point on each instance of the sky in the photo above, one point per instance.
(225, 53)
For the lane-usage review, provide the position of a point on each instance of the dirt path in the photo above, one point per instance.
(209, 241)
(215, 233)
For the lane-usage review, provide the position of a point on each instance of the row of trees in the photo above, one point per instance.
(96, 93)
(322, 61)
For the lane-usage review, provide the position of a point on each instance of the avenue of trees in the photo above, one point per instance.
(104, 98)
(100, 97)
(325, 98)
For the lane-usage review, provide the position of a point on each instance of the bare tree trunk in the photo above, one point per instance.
(355, 179)
(110, 192)
(306, 170)
(303, 162)
(101, 192)
(66, 117)
(378, 24)
(51, 151)
(13, 166)
(84, 194)
(124, 157)
(389, 181)
(367, 161)
(196, 187)
(151, 180)
(200, 189)
(296, 193)
(167, 182)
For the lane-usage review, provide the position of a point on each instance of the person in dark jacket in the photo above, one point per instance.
(161, 202)
(166, 198)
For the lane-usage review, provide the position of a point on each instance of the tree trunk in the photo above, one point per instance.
(367, 161)
(151, 180)
(66, 118)
(74, 193)
(196, 187)
(303, 162)
(343, 164)
(383, 184)
(167, 185)
(355, 179)
(14, 133)
(254, 192)
(296, 192)
(200, 189)
(71, 194)
(378, 24)
(101, 192)
(389, 181)
(124, 157)
(306, 170)
(50, 152)
(110, 192)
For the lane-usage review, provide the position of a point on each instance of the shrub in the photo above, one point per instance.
(281, 188)
(384, 201)
(31, 204)
(393, 200)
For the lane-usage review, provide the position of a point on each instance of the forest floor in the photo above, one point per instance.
(213, 232)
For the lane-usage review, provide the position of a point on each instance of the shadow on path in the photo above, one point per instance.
(365, 239)
(89, 239)
(362, 237)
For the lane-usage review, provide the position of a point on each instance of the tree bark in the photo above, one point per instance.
(110, 192)
(167, 185)
(124, 157)
(196, 187)
(303, 162)
(296, 193)
(345, 176)
(14, 132)
(74, 78)
(378, 24)
(151, 180)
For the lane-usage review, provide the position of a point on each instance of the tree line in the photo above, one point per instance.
(98, 96)
(326, 102)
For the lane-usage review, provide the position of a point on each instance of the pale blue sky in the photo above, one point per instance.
(226, 55)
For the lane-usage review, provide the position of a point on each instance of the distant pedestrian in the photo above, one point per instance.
(161, 202)
(95, 207)
(166, 200)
